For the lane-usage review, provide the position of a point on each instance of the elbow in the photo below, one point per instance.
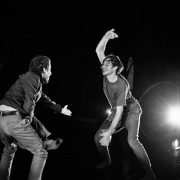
(97, 51)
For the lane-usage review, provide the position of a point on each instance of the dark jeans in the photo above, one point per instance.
(132, 126)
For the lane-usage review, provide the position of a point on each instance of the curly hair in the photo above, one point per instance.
(38, 63)
(115, 60)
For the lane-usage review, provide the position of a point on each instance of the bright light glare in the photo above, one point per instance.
(175, 144)
(108, 111)
(174, 115)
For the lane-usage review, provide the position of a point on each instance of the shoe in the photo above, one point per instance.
(51, 144)
(103, 164)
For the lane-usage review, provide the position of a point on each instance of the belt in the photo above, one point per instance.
(8, 113)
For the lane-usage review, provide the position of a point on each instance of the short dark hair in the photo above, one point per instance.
(115, 60)
(38, 63)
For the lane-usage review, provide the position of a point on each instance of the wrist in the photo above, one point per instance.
(106, 37)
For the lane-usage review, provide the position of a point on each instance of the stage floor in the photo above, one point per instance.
(77, 157)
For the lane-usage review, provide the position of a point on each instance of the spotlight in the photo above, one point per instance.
(108, 111)
(175, 144)
(173, 115)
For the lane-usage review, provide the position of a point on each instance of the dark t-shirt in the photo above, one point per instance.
(119, 94)
(24, 94)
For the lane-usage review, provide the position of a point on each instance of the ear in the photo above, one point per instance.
(115, 68)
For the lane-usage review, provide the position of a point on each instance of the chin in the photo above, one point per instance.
(104, 73)
(45, 81)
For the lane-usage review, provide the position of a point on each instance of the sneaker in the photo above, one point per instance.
(51, 144)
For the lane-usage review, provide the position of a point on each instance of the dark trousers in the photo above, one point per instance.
(132, 126)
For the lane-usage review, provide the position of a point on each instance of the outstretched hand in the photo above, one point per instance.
(66, 111)
(111, 34)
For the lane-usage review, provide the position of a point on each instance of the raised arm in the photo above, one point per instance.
(100, 49)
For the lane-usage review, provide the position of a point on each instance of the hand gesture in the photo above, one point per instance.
(106, 139)
(111, 34)
(66, 111)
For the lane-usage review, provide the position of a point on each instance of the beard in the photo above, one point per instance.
(45, 80)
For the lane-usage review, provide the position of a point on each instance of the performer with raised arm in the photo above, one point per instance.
(19, 126)
(125, 109)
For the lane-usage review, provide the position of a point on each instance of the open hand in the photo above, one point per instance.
(111, 34)
(106, 137)
(66, 111)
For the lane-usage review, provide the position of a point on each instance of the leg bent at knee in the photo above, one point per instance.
(7, 160)
(37, 164)
(40, 152)
(134, 142)
(10, 150)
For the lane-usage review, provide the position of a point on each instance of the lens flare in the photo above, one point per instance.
(108, 111)
(173, 115)
(175, 144)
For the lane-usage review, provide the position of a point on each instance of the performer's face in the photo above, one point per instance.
(46, 74)
(107, 68)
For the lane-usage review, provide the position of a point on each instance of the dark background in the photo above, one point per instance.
(68, 33)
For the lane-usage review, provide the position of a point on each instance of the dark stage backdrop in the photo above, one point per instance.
(68, 33)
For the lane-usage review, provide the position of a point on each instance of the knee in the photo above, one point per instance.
(133, 142)
(10, 150)
(42, 153)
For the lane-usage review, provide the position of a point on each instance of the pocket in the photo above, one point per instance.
(23, 123)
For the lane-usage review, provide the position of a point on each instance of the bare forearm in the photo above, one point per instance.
(102, 44)
(100, 49)
(116, 120)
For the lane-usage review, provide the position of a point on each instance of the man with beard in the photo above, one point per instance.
(19, 126)
(125, 109)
